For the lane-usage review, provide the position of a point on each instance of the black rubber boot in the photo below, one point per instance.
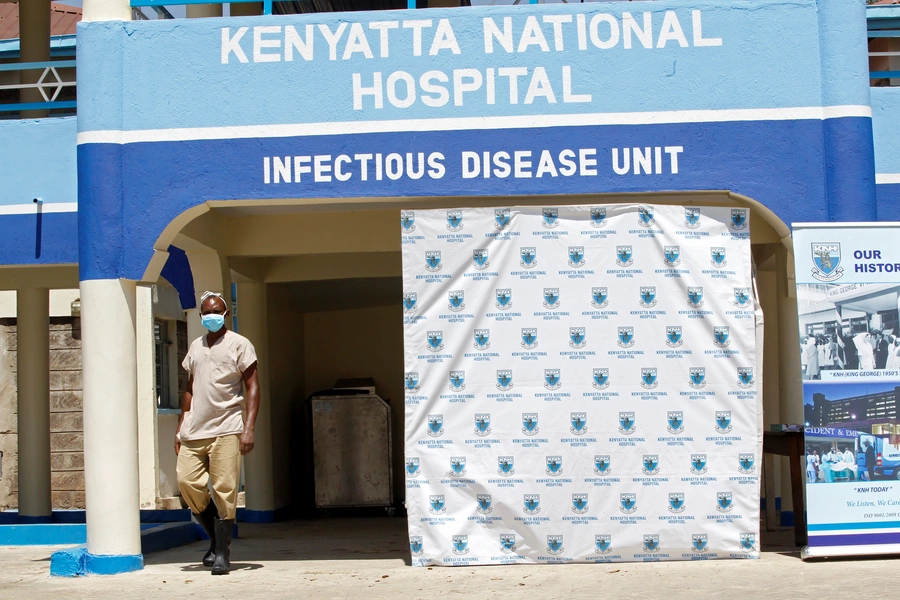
(222, 564)
(207, 520)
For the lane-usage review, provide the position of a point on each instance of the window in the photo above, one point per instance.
(163, 347)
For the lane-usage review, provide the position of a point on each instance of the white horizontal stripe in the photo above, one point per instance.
(475, 123)
(887, 177)
(32, 208)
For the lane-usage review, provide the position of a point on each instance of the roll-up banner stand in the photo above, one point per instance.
(581, 384)
(848, 284)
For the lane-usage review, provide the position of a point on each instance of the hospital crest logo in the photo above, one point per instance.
(650, 464)
(411, 381)
(410, 302)
(695, 297)
(738, 218)
(647, 297)
(436, 505)
(601, 378)
(433, 260)
(651, 542)
(626, 337)
(748, 542)
(460, 544)
(745, 377)
(645, 216)
(672, 255)
(698, 464)
(528, 257)
(454, 220)
(599, 297)
(532, 504)
(624, 256)
(480, 259)
(579, 503)
(483, 503)
(415, 545)
(626, 423)
(697, 377)
(699, 542)
(507, 543)
(530, 424)
(554, 465)
(576, 256)
(552, 379)
(506, 465)
(550, 217)
(457, 466)
(457, 381)
(482, 339)
(602, 543)
(435, 425)
(598, 217)
(724, 502)
(602, 464)
(676, 502)
(555, 544)
(579, 423)
(692, 218)
(721, 337)
(529, 338)
(482, 424)
(826, 259)
(412, 466)
(648, 378)
(407, 221)
(675, 421)
(577, 337)
(746, 462)
(504, 379)
(457, 300)
(673, 336)
(628, 502)
(723, 421)
(742, 297)
(717, 256)
(502, 218)
(551, 297)
(504, 298)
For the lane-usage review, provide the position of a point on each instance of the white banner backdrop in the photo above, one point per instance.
(581, 385)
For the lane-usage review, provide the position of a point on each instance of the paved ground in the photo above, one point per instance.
(367, 558)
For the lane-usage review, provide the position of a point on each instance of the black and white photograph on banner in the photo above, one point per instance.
(849, 331)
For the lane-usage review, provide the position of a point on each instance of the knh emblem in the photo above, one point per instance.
(577, 337)
(624, 256)
(602, 543)
(528, 256)
(504, 298)
(410, 302)
(628, 502)
(454, 220)
(532, 504)
(412, 466)
(721, 336)
(457, 381)
(650, 464)
(676, 502)
(651, 542)
(407, 221)
(602, 464)
(579, 423)
(504, 379)
(748, 542)
(746, 462)
(672, 255)
(435, 425)
(697, 377)
(436, 504)
(435, 340)
(626, 423)
(530, 423)
(723, 421)
(457, 466)
(742, 297)
(482, 339)
(648, 378)
(717, 256)
(826, 261)
(506, 465)
(507, 542)
(502, 218)
(626, 337)
(415, 545)
(529, 338)
(433, 260)
(457, 300)
(551, 297)
(599, 297)
(554, 465)
(579, 503)
(480, 259)
(673, 336)
(648, 296)
(745, 377)
(675, 421)
(576, 256)
(552, 379)
(692, 217)
(601, 378)
(598, 216)
(482, 424)
(411, 381)
(483, 503)
(460, 544)
(550, 217)
(698, 464)
(699, 542)
(738, 218)
(555, 544)
(724, 502)
(695, 297)
(645, 216)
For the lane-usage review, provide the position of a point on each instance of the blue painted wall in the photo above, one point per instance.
(886, 125)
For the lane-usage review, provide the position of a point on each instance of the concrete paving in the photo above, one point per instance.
(369, 558)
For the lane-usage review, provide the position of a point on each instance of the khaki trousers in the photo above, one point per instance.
(214, 460)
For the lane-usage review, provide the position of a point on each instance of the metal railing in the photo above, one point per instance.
(49, 83)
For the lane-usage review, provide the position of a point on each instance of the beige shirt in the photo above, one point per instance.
(218, 399)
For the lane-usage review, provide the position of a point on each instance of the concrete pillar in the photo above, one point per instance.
(108, 313)
(33, 333)
(148, 458)
(34, 40)
(259, 489)
(197, 11)
(246, 9)
(106, 10)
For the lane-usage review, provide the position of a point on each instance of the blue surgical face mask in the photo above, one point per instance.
(213, 322)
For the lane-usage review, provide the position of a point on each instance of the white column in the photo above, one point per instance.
(259, 489)
(196, 11)
(148, 457)
(106, 10)
(110, 419)
(33, 372)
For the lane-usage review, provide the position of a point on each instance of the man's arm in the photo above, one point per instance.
(185, 406)
(251, 382)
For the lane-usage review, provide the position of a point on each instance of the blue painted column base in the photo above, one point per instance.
(77, 561)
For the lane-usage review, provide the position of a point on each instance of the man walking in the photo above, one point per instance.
(212, 433)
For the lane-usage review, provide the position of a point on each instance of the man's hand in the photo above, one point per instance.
(177, 443)
(247, 441)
